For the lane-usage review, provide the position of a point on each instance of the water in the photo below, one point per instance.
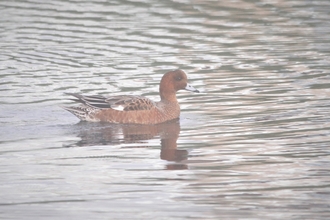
(254, 144)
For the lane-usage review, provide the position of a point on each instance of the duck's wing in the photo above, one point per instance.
(130, 103)
(119, 103)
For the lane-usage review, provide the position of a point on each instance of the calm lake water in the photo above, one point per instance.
(254, 144)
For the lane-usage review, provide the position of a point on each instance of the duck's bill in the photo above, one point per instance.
(190, 88)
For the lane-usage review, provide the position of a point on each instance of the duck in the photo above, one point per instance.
(131, 109)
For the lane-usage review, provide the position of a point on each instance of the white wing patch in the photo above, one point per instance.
(118, 107)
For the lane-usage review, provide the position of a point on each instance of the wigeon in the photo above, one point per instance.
(129, 109)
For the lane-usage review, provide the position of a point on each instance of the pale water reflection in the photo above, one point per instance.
(254, 144)
(134, 136)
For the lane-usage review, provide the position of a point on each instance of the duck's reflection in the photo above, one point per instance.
(112, 134)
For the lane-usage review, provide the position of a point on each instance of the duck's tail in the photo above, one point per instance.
(84, 113)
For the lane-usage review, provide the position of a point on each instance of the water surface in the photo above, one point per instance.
(253, 144)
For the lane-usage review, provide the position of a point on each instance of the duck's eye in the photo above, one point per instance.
(178, 78)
